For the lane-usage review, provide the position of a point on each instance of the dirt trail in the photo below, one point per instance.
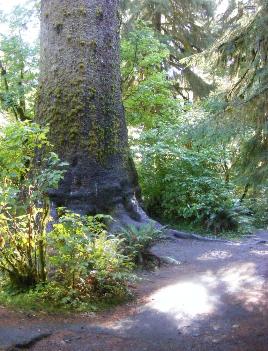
(216, 299)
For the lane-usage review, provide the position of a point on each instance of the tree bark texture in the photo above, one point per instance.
(80, 97)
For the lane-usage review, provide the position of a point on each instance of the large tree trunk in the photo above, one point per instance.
(80, 97)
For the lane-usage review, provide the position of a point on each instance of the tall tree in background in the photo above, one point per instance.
(18, 65)
(243, 51)
(80, 98)
(184, 26)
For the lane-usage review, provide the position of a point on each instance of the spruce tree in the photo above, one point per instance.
(80, 97)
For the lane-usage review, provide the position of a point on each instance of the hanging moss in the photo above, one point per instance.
(66, 13)
(82, 11)
(58, 27)
(92, 93)
(81, 66)
(93, 44)
(99, 13)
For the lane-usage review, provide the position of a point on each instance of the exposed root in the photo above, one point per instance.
(133, 214)
(182, 235)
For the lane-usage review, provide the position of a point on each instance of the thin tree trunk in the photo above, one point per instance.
(246, 189)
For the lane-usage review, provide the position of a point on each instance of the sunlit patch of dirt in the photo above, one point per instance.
(215, 300)
(215, 255)
(245, 285)
(260, 252)
(184, 301)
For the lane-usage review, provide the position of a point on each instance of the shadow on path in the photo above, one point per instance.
(216, 300)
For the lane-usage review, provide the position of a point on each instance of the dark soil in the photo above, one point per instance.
(214, 298)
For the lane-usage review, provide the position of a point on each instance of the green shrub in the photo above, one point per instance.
(136, 241)
(257, 201)
(86, 260)
(75, 263)
(147, 92)
(85, 267)
(231, 219)
(180, 181)
(28, 169)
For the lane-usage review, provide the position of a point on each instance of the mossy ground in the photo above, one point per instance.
(33, 301)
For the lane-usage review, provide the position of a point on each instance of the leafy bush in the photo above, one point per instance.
(75, 263)
(180, 180)
(257, 201)
(27, 170)
(86, 267)
(136, 241)
(229, 219)
(19, 63)
(86, 259)
(147, 92)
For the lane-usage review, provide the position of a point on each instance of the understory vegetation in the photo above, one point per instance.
(202, 162)
(196, 109)
(75, 262)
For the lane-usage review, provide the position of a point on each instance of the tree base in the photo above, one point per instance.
(133, 214)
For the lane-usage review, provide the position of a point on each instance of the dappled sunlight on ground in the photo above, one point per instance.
(214, 255)
(245, 285)
(260, 252)
(234, 243)
(209, 280)
(238, 276)
(187, 301)
(184, 301)
(216, 299)
(213, 292)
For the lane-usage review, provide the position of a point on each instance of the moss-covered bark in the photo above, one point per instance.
(80, 97)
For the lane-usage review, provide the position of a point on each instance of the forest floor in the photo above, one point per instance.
(215, 299)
